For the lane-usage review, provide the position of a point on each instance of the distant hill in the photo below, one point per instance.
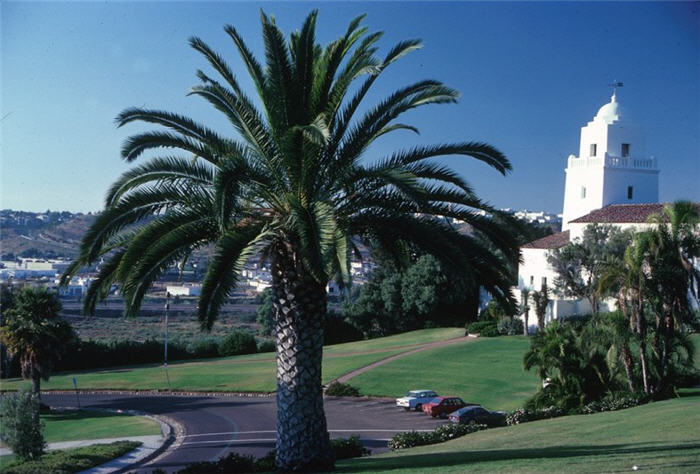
(43, 235)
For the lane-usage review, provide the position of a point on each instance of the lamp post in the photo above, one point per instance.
(165, 355)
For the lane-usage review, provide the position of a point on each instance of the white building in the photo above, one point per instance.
(612, 182)
(611, 167)
(184, 290)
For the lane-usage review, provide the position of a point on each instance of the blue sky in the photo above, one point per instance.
(530, 74)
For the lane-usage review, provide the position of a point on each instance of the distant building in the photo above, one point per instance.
(184, 290)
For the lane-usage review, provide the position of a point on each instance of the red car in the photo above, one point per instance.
(442, 406)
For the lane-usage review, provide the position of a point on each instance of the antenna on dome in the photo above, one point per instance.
(615, 85)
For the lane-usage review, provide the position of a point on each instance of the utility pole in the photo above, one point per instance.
(165, 355)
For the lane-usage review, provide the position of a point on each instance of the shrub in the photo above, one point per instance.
(21, 426)
(478, 327)
(232, 463)
(490, 331)
(72, 460)
(337, 389)
(522, 415)
(616, 401)
(510, 326)
(266, 345)
(203, 348)
(345, 448)
(238, 343)
(441, 434)
(337, 330)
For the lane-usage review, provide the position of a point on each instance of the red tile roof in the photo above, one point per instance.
(621, 214)
(553, 241)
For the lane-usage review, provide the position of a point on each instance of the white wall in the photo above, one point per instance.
(535, 265)
(645, 183)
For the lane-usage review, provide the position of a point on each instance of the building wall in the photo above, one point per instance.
(645, 184)
(535, 267)
(582, 173)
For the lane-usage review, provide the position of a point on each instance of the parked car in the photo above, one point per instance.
(441, 406)
(415, 399)
(478, 415)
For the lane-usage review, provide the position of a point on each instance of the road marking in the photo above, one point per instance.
(258, 440)
(272, 431)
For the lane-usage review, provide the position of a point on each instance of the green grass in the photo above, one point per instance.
(488, 371)
(80, 424)
(216, 375)
(250, 373)
(658, 437)
(69, 460)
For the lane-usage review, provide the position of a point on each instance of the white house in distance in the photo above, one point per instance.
(612, 181)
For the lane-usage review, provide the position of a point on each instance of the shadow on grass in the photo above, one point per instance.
(432, 460)
(77, 415)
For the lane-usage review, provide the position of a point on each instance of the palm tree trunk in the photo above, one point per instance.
(526, 318)
(642, 333)
(627, 362)
(36, 386)
(303, 443)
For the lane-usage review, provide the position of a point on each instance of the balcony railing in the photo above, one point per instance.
(612, 162)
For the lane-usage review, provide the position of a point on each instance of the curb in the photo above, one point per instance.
(168, 429)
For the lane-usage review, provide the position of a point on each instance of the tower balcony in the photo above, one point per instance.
(610, 161)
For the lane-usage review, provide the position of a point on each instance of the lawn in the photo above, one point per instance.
(214, 374)
(80, 424)
(658, 437)
(251, 373)
(488, 371)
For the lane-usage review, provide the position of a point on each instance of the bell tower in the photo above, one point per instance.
(611, 167)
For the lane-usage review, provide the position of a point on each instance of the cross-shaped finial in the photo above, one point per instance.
(615, 85)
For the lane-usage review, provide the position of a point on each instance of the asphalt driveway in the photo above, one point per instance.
(212, 426)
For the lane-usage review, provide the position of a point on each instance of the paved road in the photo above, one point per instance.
(215, 425)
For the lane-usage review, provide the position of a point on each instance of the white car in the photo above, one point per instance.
(415, 399)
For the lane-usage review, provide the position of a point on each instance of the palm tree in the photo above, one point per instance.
(35, 333)
(628, 279)
(674, 244)
(290, 187)
(524, 309)
(541, 301)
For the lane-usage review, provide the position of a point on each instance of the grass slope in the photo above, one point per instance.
(658, 437)
(488, 371)
(253, 373)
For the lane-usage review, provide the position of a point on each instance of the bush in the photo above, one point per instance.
(345, 448)
(490, 331)
(337, 330)
(441, 434)
(21, 426)
(478, 327)
(266, 345)
(232, 463)
(72, 460)
(510, 326)
(203, 348)
(337, 389)
(616, 401)
(238, 343)
(522, 415)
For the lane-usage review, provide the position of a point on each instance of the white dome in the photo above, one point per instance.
(610, 112)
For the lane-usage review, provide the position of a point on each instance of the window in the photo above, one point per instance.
(625, 150)
(594, 149)
(544, 281)
(630, 192)
(532, 280)
(583, 192)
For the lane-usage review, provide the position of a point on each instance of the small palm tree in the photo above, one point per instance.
(524, 309)
(290, 187)
(541, 301)
(35, 333)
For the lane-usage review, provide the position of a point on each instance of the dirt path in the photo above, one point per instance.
(418, 348)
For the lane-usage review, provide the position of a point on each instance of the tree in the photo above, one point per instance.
(524, 309)
(580, 264)
(35, 333)
(541, 301)
(292, 189)
(674, 279)
(21, 425)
